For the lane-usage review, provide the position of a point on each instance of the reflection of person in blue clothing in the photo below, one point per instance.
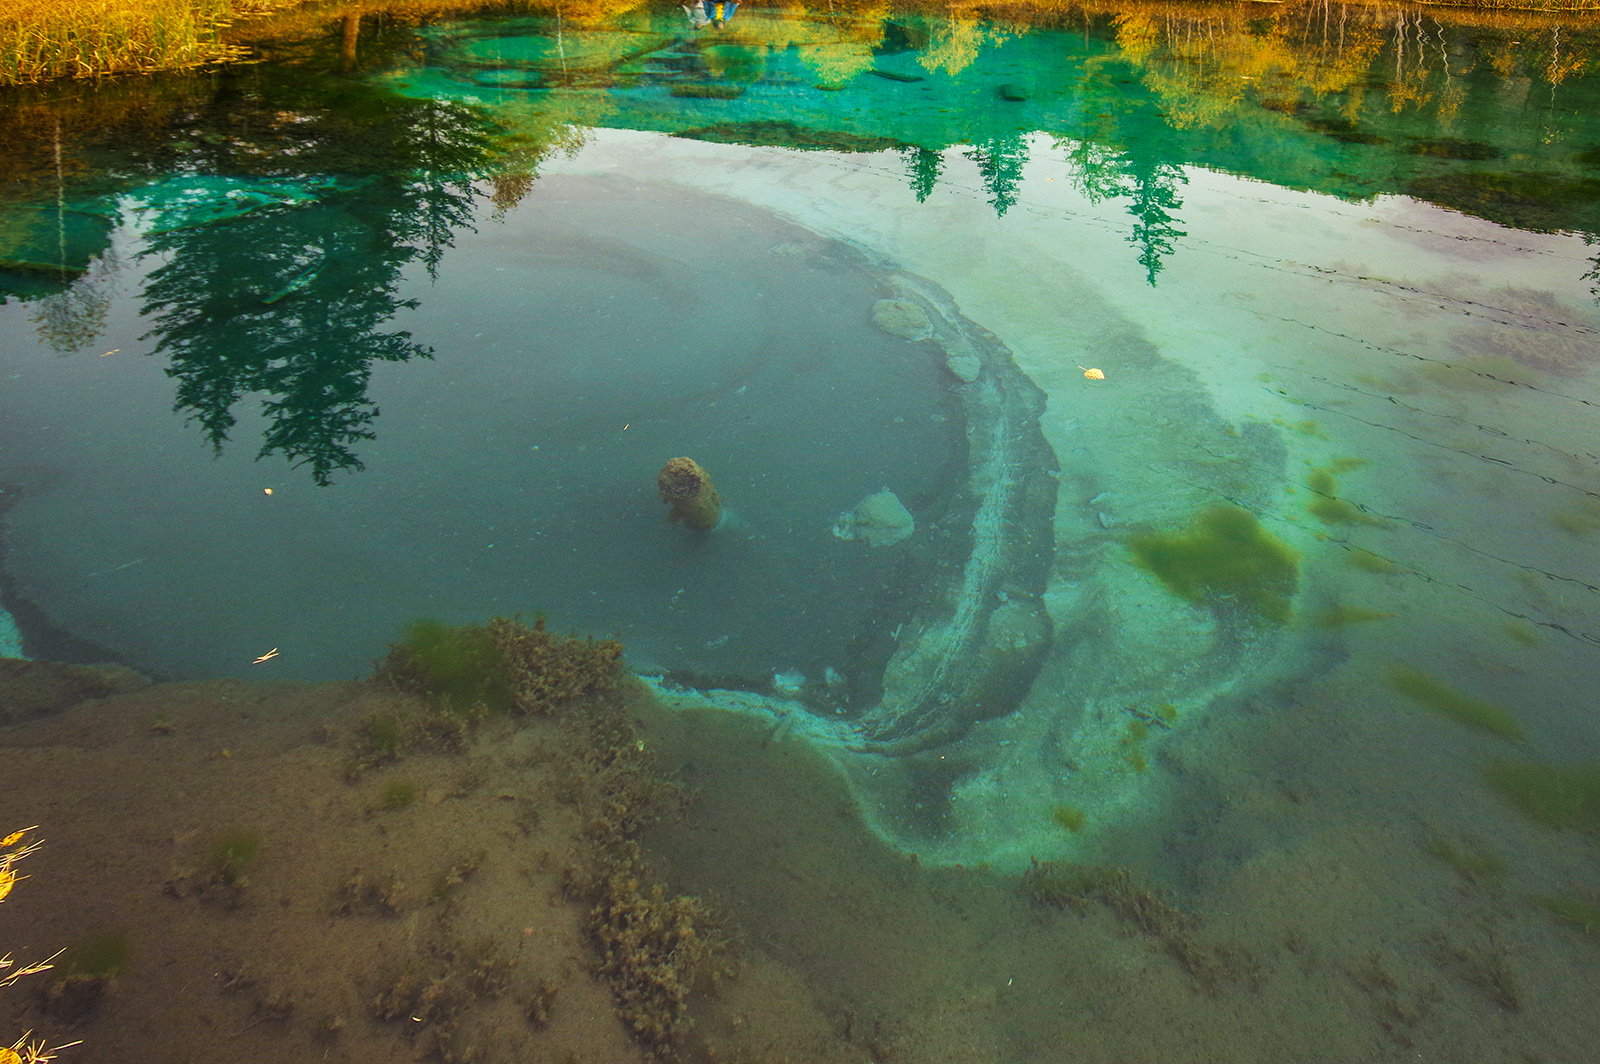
(716, 12)
(697, 14)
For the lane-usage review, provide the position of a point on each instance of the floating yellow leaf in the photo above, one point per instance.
(1093, 374)
(15, 836)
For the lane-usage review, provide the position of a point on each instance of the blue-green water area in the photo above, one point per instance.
(1159, 439)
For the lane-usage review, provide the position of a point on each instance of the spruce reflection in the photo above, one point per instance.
(295, 304)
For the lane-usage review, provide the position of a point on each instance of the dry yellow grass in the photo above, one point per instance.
(43, 39)
(26, 1049)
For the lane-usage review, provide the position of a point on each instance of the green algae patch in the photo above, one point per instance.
(1558, 796)
(1068, 817)
(1471, 859)
(1457, 705)
(1522, 633)
(1369, 562)
(1580, 913)
(461, 666)
(1225, 556)
(1340, 616)
(1327, 507)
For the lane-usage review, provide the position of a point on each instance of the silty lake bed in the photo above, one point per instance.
(1290, 609)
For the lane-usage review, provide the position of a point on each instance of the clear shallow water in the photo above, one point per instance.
(1293, 315)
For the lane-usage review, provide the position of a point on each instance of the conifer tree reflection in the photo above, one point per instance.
(925, 164)
(1000, 161)
(295, 304)
(1149, 184)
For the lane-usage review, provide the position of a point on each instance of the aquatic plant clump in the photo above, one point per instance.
(1224, 557)
(503, 666)
(546, 670)
(687, 489)
(460, 666)
(655, 950)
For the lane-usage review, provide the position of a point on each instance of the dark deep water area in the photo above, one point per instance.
(1154, 612)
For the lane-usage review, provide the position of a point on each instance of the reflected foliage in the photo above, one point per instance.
(1593, 276)
(1308, 94)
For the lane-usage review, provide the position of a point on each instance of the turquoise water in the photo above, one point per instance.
(1258, 607)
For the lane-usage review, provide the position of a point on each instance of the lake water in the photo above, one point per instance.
(1239, 371)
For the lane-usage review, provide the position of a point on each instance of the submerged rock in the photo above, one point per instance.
(964, 366)
(902, 318)
(880, 519)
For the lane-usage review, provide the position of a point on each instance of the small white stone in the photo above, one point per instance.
(788, 683)
(880, 519)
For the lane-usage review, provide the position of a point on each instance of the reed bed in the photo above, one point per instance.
(45, 39)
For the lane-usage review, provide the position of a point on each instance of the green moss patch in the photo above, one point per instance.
(1224, 557)
(460, 666)
(1457, 705)
(696, 91)
(1369, 562)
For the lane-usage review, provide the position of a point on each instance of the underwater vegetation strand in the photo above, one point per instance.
(1457, 705)
(1558, 796)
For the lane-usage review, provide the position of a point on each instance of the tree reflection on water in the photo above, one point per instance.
(1489, 113)
(295, 304)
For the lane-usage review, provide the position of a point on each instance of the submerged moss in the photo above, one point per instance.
(1225, 556)
(1068, 817)
(98, 955)
(1471, 860)
(1457, 705)
(397, 793)
(1453, 148)
(460, 666)
(1328, 507)
(1522, 633)
(1369, 562)
(1557, 796)
(230, 855)
(1579, 912)
(1341, 615)
(707, 92)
